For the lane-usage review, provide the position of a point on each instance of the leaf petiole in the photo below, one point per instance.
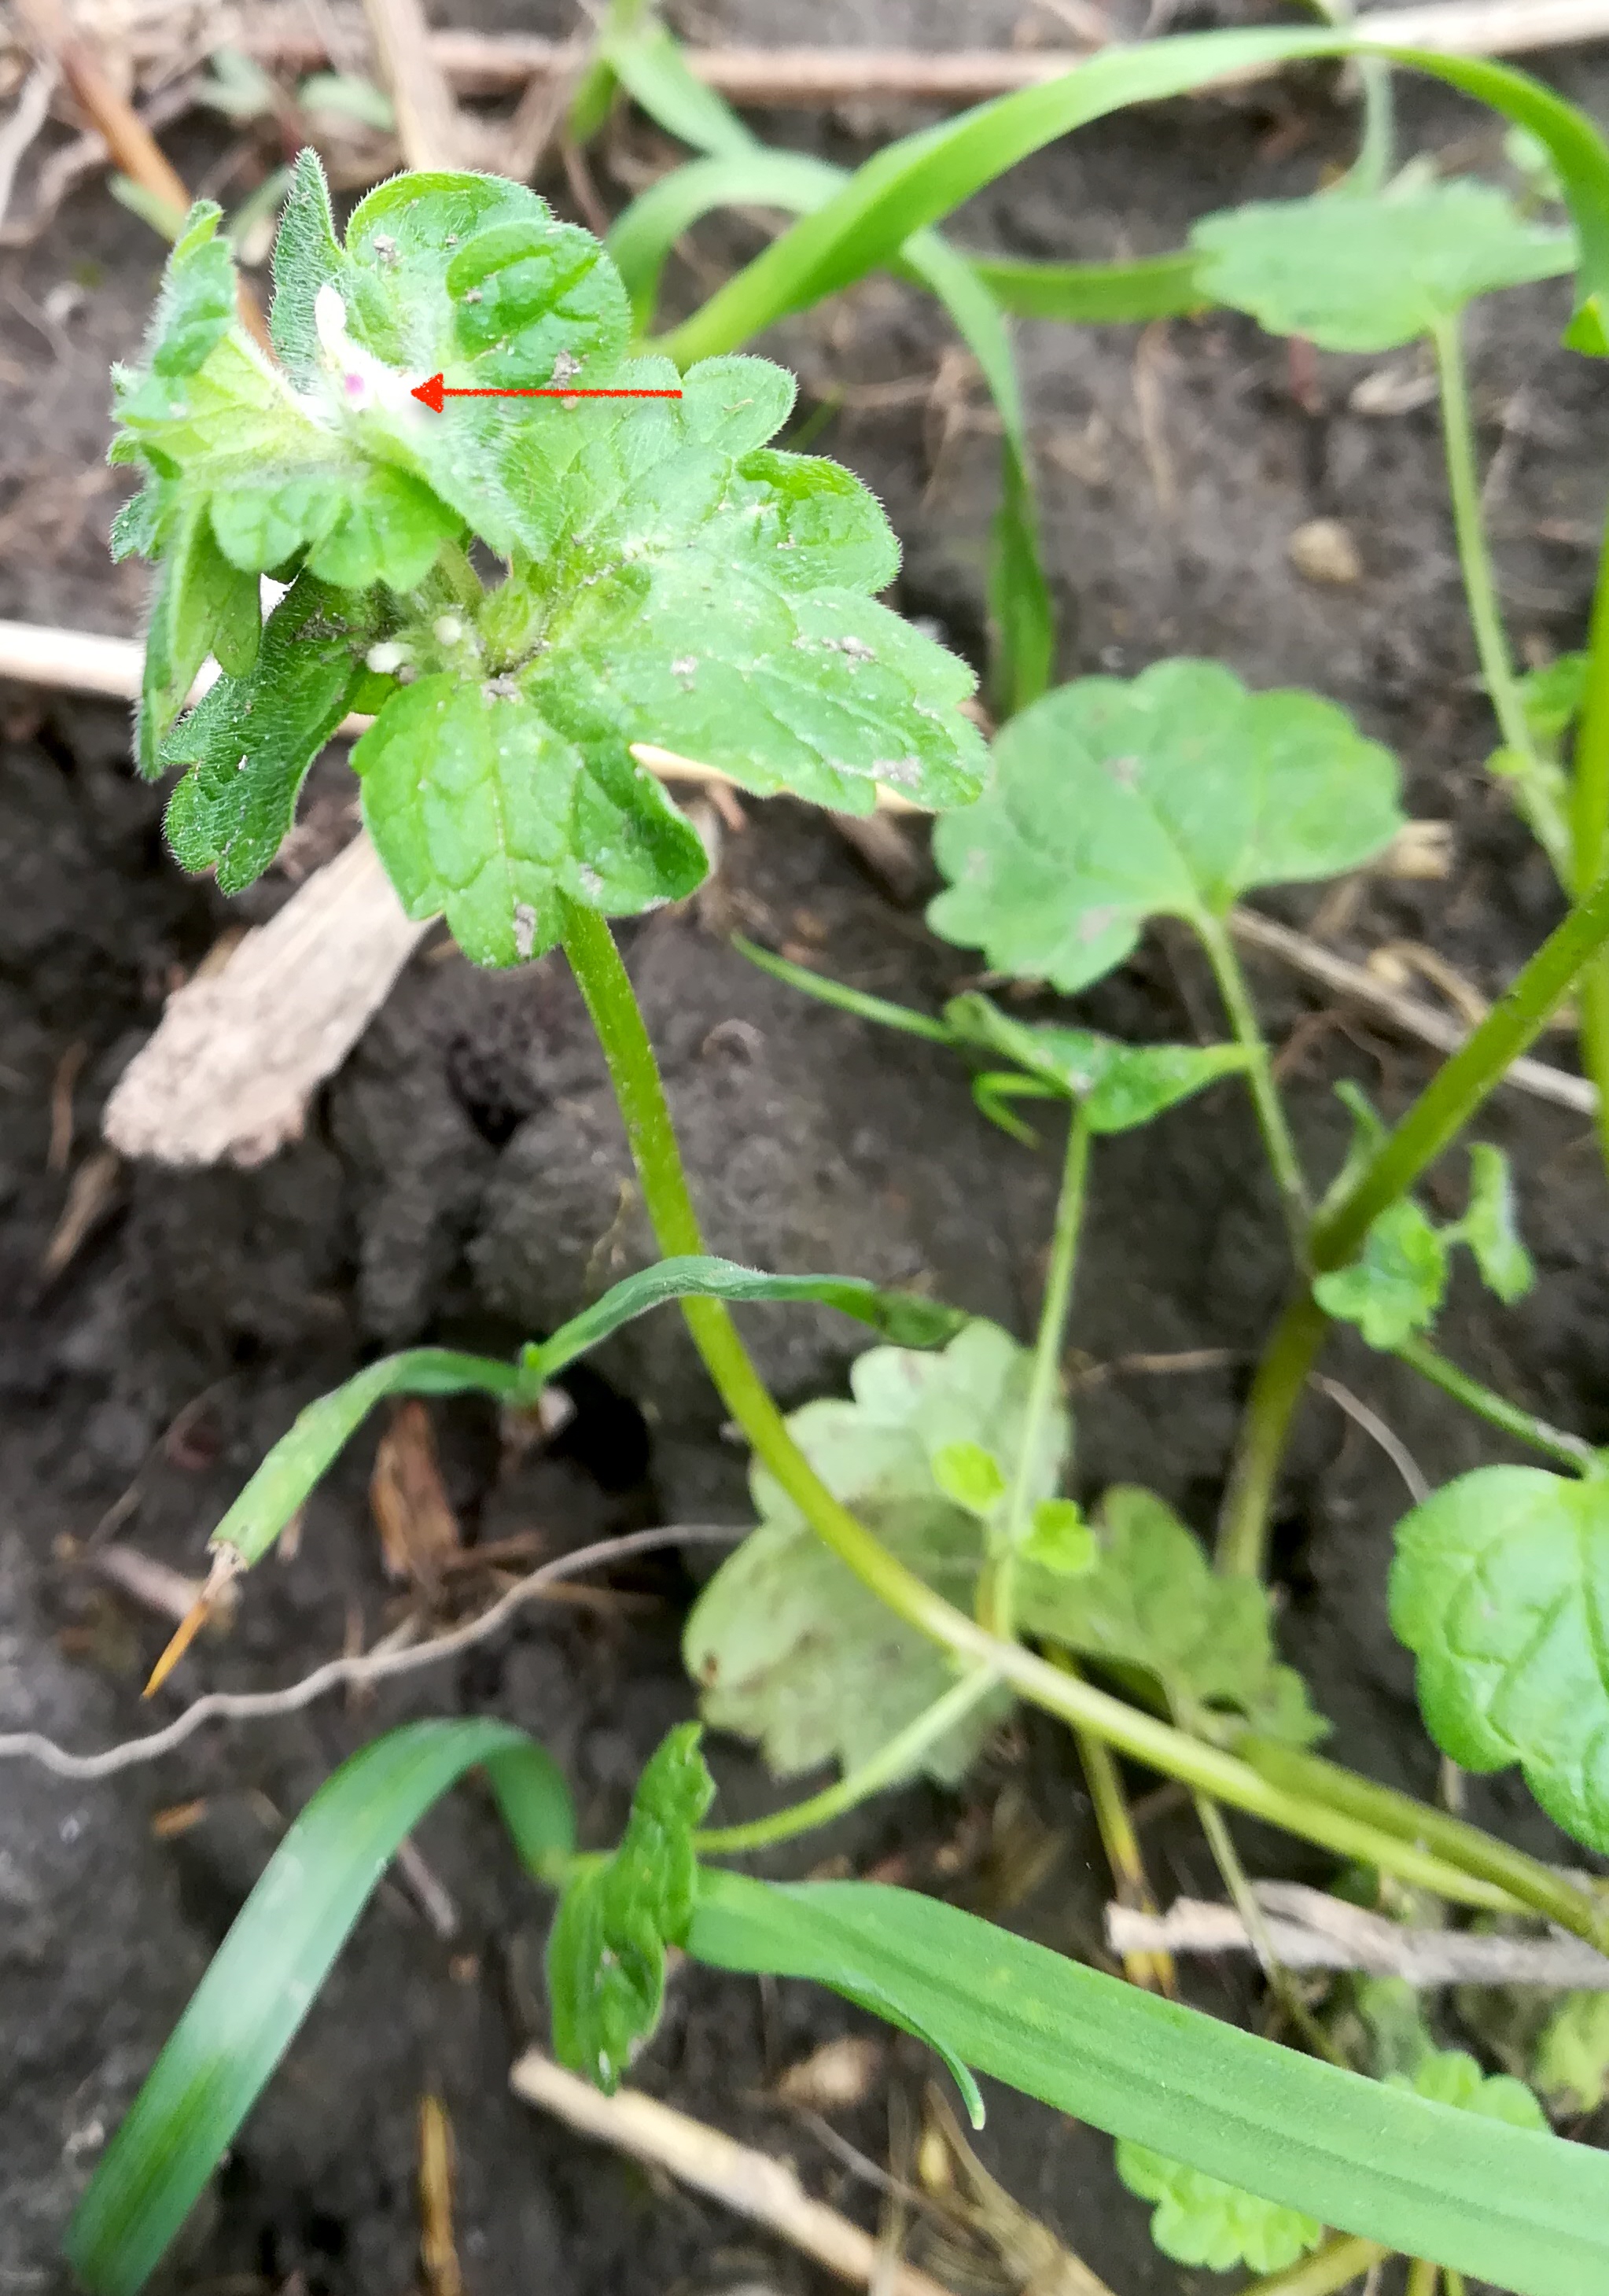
(1537, 797)
(887, 1767)
(1524, 1426)
(1271, 1122)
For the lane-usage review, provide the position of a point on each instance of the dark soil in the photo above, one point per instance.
(464, 1179)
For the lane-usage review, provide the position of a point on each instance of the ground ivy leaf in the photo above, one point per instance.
(605, 1951)
(483, 810)
(1366, 273)
(787, 1646)
(1491, 1227)
(1501, 1589)
(1153, 1601)
(400, 242)
(1199, 2219)
(1120, 1086)
(249, 741)
(1572, 2062)
(1452, 2076)
(1395, 1286)
(1171, 794)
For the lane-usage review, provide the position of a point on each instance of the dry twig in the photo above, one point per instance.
(1311, 1931)
(378, 1665)
(751, 2184)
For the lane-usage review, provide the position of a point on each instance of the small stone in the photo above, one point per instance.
(1324, 551)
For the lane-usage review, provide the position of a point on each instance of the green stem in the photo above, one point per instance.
(1537, 800)
(887, 1767)
(1260, 1075)
(996, 1605)
(1442, 1110)
(1424, 2278)
(1115, 1822)
(1590, 830)
(1435, 1832)
(1221, 1841)
(1335, 2266)
(607, 991)
(1524, 1426)
(1276, 1388)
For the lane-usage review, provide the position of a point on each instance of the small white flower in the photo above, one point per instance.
(363, 383)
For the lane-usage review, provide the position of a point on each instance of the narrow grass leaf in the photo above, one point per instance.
(300, 1460)
(266, 1973)
(1521, 2211)
(926, 177)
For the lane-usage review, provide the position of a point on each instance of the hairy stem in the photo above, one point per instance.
(1590, 833)
(1537, 797)
(996, 1608)
(1335, 2266)
(886, 1768)
(609, 998)
(1524, 1426)
(1260, 1075)
(1432, 1121)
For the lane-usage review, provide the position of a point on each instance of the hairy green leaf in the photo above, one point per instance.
(606, 1951)
(1169, 795)
(298, 1461)
(202, 606)
(787, 1646)
(249, 741)
(1355, 272)
(1572, 2062)
(1199, 2220)
(1501, 1589)
(1395, 1286)
(1153, 1601)
(266, 1975)
(196, 305)
(483, 813)
(1512, 2207)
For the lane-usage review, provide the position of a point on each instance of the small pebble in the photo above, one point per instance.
(1324, 551)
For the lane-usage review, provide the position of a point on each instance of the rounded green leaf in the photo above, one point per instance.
(537, 303)
(1173, 795)
(483, 813)
(1394, 1288)
(1199, 2220)
(1359, 272)
(1501, 1589)
(389, 529)
(267, 1973)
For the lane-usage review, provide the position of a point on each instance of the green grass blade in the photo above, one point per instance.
(300, 1460)
(1095, 294)
(649, 64)
(1527, 2212)
(904, 1317)
(925, 177)
(266, 1973)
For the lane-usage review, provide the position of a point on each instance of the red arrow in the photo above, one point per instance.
(437, 389)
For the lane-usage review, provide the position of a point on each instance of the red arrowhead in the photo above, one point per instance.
(430, 392)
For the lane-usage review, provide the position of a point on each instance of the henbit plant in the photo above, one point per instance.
(672, 581)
